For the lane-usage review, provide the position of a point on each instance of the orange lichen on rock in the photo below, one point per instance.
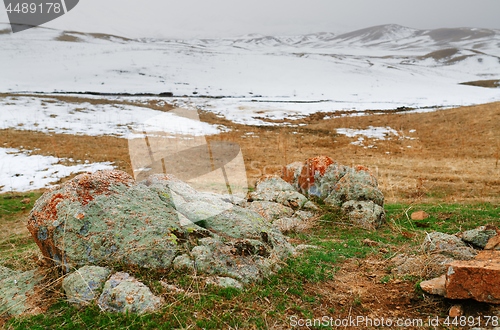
(312, 166)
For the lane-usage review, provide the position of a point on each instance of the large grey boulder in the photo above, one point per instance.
(354, 185)
(107, 219)
(123, 293)
(85, 284)
(20, 292)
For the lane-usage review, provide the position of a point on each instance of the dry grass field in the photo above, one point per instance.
(449, 159)
(447, 155)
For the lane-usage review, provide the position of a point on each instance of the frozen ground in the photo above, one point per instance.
(50, 115)
(382, 67)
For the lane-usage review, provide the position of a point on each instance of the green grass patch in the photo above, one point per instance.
(272, 301)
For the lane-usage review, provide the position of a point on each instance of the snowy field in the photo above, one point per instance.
(252, 80)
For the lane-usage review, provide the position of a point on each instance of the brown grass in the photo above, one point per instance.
(493, 83)
(453, 156)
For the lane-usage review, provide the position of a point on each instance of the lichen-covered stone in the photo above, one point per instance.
(480, 236)
(246, 260)
(123, 293)
(448, 245)
(275, 189)
(365, 214)
(224, 282)
(355, 185)
(270, 210)
(19, 292)
(85, 284)
(104, 218)
(313, 169)
(352, 188)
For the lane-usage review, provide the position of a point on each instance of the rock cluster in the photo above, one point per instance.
(106, 218)
(354, 189)
(470, 272)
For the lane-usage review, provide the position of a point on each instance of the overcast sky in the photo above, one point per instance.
(226, 18)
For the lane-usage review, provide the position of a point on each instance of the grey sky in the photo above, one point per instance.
(220, 18)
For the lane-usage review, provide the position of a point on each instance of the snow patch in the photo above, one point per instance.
(21, 171)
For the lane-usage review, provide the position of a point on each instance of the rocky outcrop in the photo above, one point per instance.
(353, 189)
(107, 219)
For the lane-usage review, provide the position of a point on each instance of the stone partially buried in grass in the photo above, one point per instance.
(123, 293)
(84, 285)
(20, 292)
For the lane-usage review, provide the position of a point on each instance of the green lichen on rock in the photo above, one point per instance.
(123, 293)
(84, 285)
(106, 219)
(18, 292)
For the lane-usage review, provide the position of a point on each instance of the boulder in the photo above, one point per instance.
(270, 210)
(355, 185)
(364, 214)
(480, 236)
(448, 245)
(477, 279)
(123, 293)
(107, 219)
(275, 189)
(354, 189)
(247, 260)
(20, 292)
(85, 284)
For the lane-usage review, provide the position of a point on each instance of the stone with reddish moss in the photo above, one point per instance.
(312, 169)
(104, 218)
(477, 279)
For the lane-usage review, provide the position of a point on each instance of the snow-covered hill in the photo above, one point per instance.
(385, 67)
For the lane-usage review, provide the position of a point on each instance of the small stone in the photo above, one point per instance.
(456, 311)
(85, 284)
(25, 201)
(419, 215)
(123, 293)
(448, 245)
(480, 236)
(369, 242)
(435, 286)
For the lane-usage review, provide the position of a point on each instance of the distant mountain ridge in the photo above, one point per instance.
(367, 66)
